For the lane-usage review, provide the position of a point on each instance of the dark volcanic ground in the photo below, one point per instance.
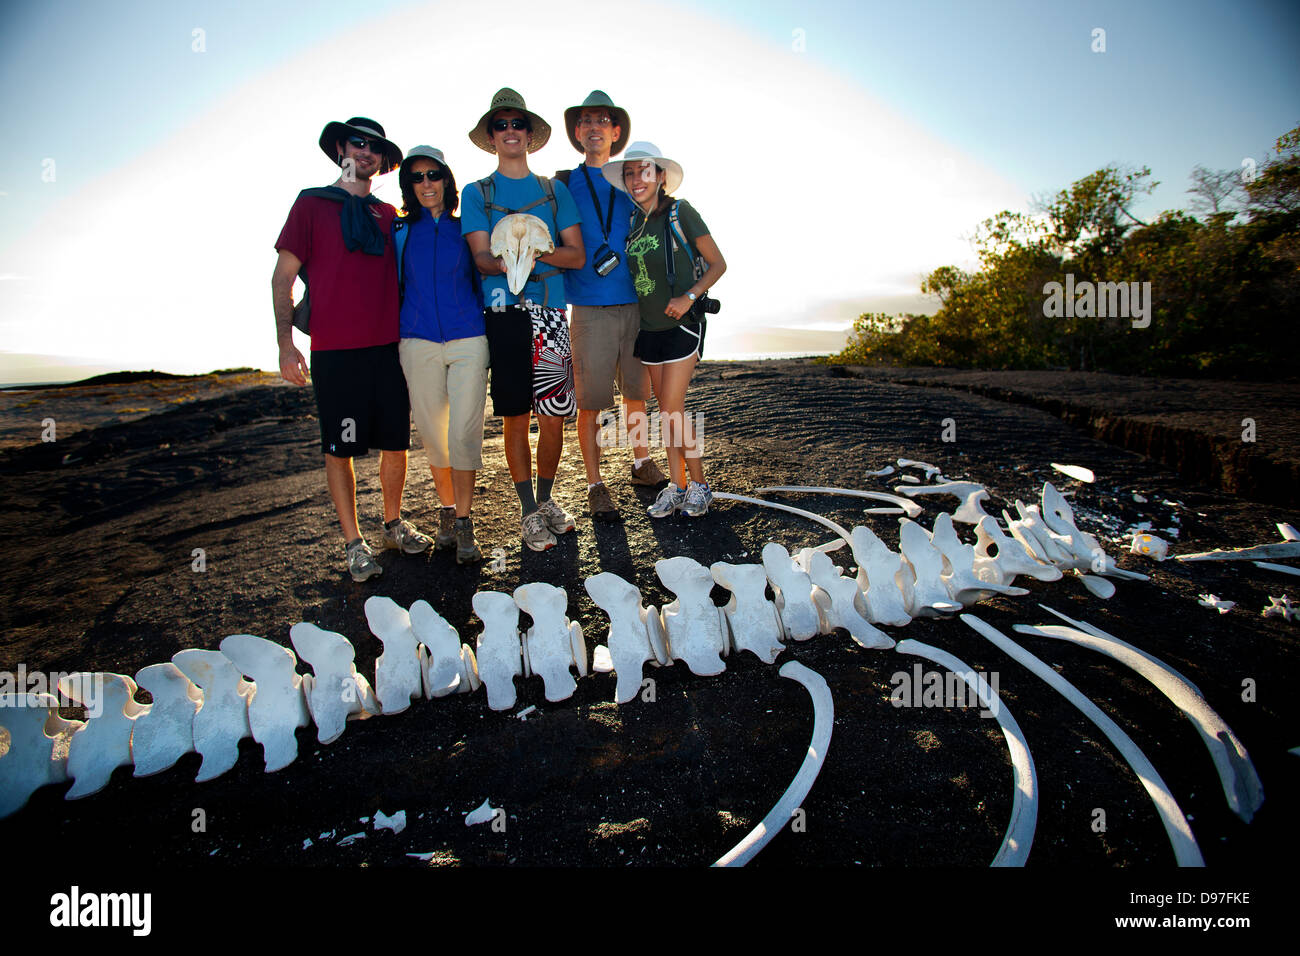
(100, 528)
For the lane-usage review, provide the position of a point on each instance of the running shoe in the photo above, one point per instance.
(361, 562)
(698, 498)
(669, 500)
(404, 537)
(536, 535)
(557, 519)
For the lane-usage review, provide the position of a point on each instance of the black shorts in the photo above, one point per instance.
(531, 361)
(361, 399)
(670, 345)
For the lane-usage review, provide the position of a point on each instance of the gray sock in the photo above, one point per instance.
(526, 500)
(544, 488)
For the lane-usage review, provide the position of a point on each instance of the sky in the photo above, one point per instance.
(839, 152)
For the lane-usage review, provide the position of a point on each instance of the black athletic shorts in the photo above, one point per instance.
(670, 345)
(531, 361)
(361, 399)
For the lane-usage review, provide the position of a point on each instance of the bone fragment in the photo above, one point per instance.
(1148, 545)
(930, 470)
(1076, 471)
(1285, 549)
(482, 814)
(1215, 602)
(1285, 569)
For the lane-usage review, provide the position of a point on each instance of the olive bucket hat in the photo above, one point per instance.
(359, 126)
(508, 99)
(599, 99)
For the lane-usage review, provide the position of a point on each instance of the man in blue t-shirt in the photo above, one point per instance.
(605, 319)
(528, 337)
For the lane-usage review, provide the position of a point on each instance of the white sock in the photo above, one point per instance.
(638, 462)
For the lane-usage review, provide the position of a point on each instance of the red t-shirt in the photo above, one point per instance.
(354, 301)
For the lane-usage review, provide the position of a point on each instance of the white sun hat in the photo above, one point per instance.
(639, 152)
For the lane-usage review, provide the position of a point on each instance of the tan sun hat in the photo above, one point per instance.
(599, 99)
(640, 152)
(508, 99)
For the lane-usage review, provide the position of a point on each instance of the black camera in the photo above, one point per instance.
(604, 260)
(702, 305)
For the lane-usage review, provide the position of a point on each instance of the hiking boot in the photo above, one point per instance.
(648, 474)
(698, 498)
(446, 529)
(361, 562)
(404, 536)
(600, 504)
(536, 535)
(669, 500)
(467, 551)
(557, 519)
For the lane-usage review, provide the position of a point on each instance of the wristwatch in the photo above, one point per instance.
(691, 296)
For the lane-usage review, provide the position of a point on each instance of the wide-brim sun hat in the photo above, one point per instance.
(640, 152)
(358, 126)
(599, 99)
(423, 152)
(508, 99)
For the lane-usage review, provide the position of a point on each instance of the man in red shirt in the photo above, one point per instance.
(338, 239)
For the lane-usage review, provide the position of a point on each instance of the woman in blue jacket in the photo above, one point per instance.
(443, 345)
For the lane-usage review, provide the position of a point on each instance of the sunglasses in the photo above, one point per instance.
(433, 175)
(500, 126)
(376, 146)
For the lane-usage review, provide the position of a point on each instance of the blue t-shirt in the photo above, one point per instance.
(583, 286)
(440, 296)
(515, 194)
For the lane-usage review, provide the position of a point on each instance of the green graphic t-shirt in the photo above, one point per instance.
(645, 252)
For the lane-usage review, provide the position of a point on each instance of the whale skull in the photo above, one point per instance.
(519, 239)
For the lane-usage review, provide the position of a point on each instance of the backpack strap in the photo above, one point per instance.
(488, 188)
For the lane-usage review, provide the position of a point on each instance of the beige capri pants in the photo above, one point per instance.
(447, 382)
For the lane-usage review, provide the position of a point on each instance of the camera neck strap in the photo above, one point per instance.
(609, 210)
